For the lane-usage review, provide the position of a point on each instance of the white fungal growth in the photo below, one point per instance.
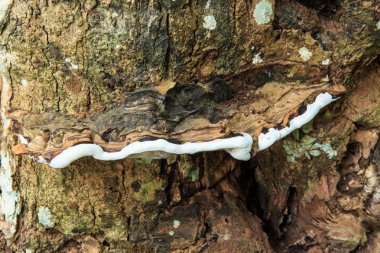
(171, 233)
(238, 147)
(378, 25)
(263, 12)
(267, 139)
(305, 53)
(4, 7)
(45, 217)
(9, 208)
(209, 22)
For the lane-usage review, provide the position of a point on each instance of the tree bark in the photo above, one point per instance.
(113, 73)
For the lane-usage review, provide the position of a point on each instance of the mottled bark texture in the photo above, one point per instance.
(112, 72)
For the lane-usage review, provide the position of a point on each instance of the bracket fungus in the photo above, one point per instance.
(182, 119)
(267, 139)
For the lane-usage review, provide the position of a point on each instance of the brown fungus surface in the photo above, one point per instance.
(192, 113)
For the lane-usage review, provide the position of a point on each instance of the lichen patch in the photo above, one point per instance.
(305, 54)
(263, 12)
(73, 65)
(257, 59)
(44, 217)
(24, 82)
(208, 4)
(209, 22)
(326, 62)
(4, 7)
(176, 224)
(9, 207)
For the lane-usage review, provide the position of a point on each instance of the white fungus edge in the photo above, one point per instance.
(238, 147)
(268, 139)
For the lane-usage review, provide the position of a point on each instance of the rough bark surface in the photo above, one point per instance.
(113, 72)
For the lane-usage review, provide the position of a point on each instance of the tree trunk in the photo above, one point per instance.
(117, 77)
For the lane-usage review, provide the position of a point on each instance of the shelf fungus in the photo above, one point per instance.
(182, 119)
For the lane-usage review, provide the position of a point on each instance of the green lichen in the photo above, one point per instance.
(187, 168)
(194, 175)
(147, 192)
(327, 149)
(307, 146)
(308, 127)
(191, 173)
(143, 161)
